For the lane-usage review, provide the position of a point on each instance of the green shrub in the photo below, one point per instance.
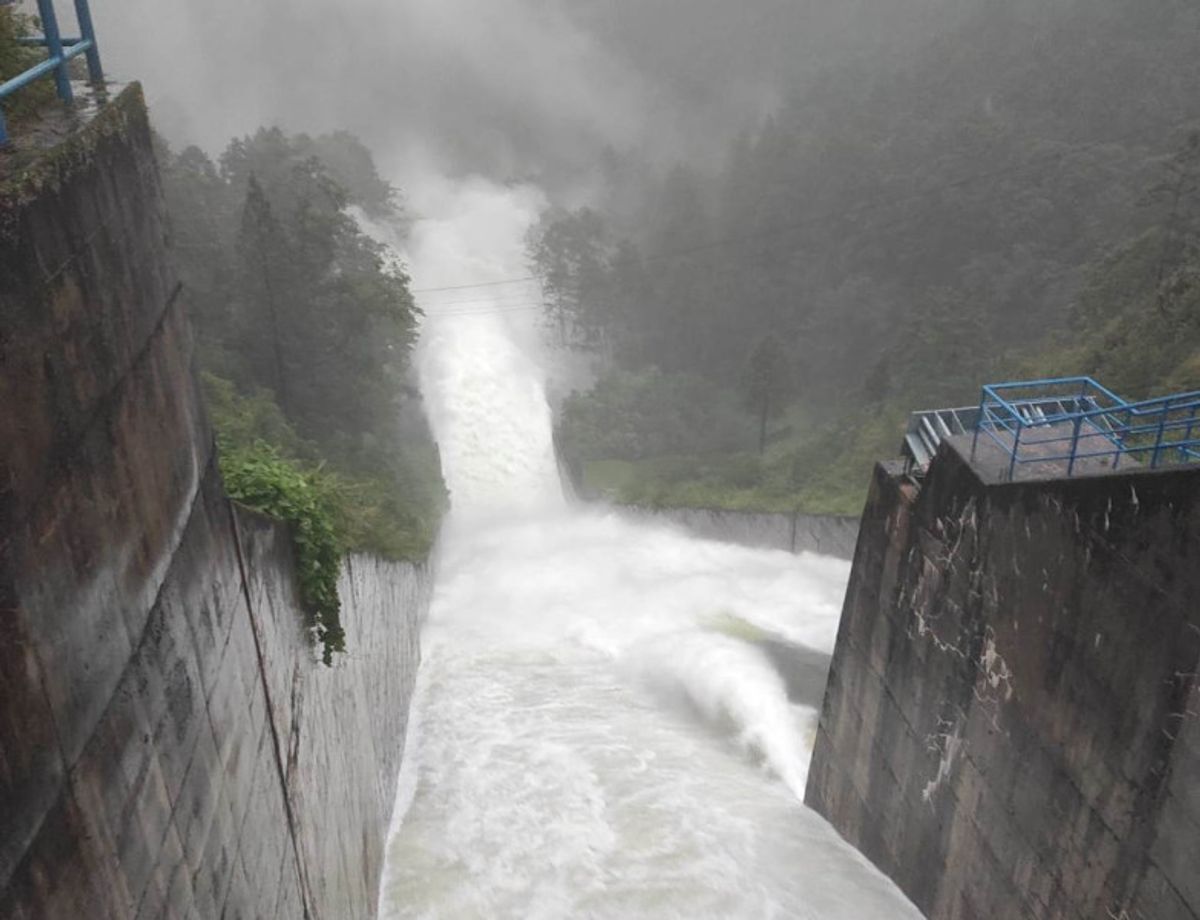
(258, 477)
(372, 499)
(383, 500)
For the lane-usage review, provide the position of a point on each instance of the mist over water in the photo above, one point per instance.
(596, 734)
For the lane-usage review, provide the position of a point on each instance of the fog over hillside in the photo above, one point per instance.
(879, 187)
(507, 87)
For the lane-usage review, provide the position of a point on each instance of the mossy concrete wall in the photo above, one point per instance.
(168, 745)
(1011, 727)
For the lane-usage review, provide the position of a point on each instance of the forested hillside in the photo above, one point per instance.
(1017, 196)
(305, 327)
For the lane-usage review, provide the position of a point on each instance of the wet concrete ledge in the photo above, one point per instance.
(1011, 727)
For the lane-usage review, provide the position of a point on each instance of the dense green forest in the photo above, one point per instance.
(304, 331)
(1017, 197)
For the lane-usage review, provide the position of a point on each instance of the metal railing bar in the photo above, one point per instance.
(49, 20)
(998, 399)
(1067, 439)
(37, 71)
(83, 15)
(991, 434)
(1164, 425)
(1190, 447)
(1031, 423)
(34, 73)
(1001, 423)
(1040, 384)
(1092, 382)
(59, 50)
(1098, 432)
(1170, 445)
(33, 41)
(1153, 407)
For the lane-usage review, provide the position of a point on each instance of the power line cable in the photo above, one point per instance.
(520, 308)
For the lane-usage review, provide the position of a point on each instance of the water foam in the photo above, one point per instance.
(482, 382)
(590, 741)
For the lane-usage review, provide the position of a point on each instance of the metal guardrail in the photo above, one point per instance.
(926, 431)
(1073, 419)
(60, 50)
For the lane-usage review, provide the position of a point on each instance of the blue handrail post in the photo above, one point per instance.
(1187, 438)
(55, 47)
(1012, 464)
(1121, 439)
(87, 32)
(3, 128)
(978, 423)
(1162, 425)
(1074, 445)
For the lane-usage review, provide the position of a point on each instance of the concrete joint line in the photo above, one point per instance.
(76, 252)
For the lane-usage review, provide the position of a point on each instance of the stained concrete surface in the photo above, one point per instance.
(1010, 728)
(169, 744)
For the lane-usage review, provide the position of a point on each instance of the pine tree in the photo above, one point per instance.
(263, 248)
(767, 383)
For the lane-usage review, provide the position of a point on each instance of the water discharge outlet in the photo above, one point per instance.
(602, 725)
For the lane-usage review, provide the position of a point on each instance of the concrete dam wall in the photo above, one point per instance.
(169, 746)
(1011, 727)
(826, 534)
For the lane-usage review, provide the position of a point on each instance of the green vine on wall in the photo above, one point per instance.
(258, 477)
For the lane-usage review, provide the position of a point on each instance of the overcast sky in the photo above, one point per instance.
(504, 86)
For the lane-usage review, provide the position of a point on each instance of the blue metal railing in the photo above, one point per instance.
(60, 50)
(1073, 419)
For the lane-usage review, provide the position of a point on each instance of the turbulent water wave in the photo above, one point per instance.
(592, 737)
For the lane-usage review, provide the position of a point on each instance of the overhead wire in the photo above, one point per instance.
(486, 312)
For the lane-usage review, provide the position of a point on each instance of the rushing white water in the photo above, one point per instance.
(596, 733)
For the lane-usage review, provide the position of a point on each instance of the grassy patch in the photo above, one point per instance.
(608, 478)
(809, 466)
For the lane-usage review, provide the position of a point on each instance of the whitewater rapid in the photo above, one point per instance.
(598, 729)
